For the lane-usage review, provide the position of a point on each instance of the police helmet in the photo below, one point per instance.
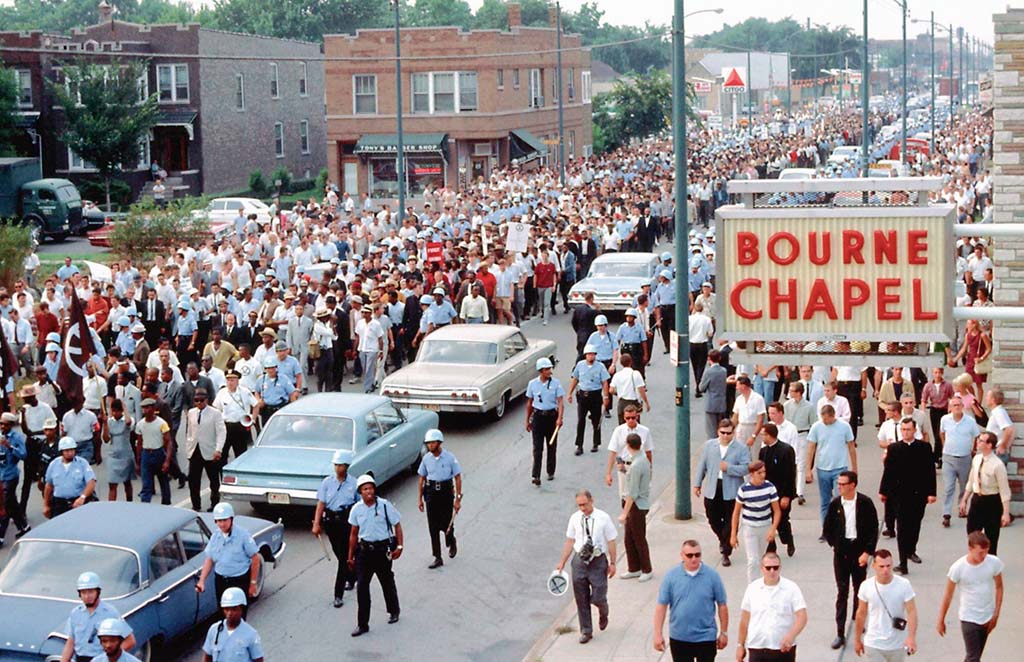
(87, 580)
(223, 510)
(342, 456)
(544, 362)
(631, 312)
(67, 444)
(270, 362)
(426, 300)
(365, 479)
(600, 320)
(433, 435)
(232, 597)
(666, 256)
(112, 627)
(589, 349)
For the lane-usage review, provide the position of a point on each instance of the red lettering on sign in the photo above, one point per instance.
(855, 293)
(794, 248)
(734, 299)
(820, 300)
(826, 248)
(885, 246)
(917, 245)
(884, 298)
(777, 298)
(919, 312)
(746, 249)
(853, 243)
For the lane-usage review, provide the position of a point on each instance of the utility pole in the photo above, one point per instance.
(903, 157)
(864, 97)
(950, 60)
(960, 39)
(400, 157)
(682, 396)
(750, 98)
(931, 84)
(561, 93)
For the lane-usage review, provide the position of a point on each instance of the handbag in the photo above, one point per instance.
(314, 349)
(983, 367)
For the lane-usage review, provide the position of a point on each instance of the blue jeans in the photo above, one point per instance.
(152, 462)
(84, 450)
(369, 363)
(827, 488)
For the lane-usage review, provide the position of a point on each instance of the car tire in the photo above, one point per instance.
(59, 238)
(146, 652)
(261, 578)
(502, 407)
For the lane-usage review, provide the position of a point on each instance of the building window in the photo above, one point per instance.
(501, 79)
(239, 92)
(515, 79)
(421, 93)
(172, 81)
(585, 89)
(273, 81)
(364, 94)
(467, 91)
(572, 84)
(572, 143)
(279, 140)
(23, 79)
(303, 72)
(304, 136)
(75, 162)
(554, 86)
(444, 92)
(536, 89)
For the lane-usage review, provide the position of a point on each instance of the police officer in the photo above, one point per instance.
(84, 621)
(375, 522)
(232, 555)
(440, 486)
(604, 342)
(632, 339)
(12, 451)
(70, 481)
(274, 390)
(232, 638)
(592, 378)
(545, 405)
(112, 633)
(334, 499)
(665, 306)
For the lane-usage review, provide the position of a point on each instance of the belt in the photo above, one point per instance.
(373, 545)
(330, 515)
(803, 431)
(545, 412)
(438, 485)
(65, 499)
(596, 391)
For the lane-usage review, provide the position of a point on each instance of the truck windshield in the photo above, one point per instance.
(67, 194)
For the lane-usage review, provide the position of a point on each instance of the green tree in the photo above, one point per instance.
(8, 111)
(149, 230)
(637, 109)
(493, 14)
(426, 13)
(15, 246)
(61, 15)
(306, 19)
(105, 118)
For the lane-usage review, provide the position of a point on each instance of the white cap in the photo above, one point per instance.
(364, 479)
(589, 349)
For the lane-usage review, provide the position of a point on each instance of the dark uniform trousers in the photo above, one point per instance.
(269, 410)
(337, 528)
(851, 391)
(439, 501)
(909, 513)
(985, 514)
(771, 655)
(237, 439)
(719, 514)
(847, 570)
(785, 528)
(668, 322)
(588, 403)
(543, 424)
(222, 583)
(325, 370)
(34, 468)
(372, 559)
(59, 506)
(197, 465)
(590, 587)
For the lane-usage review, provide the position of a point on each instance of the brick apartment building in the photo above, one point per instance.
(219, 119)
(471, 102)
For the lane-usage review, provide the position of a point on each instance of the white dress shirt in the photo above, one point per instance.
(772, 612)
(598, 524)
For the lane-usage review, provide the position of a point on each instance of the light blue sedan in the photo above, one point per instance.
(294, 451)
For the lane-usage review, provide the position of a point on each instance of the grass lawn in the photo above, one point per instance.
(298, 195)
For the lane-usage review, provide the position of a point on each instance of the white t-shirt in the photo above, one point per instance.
(772, 611)
(879, 632)
(977, 588)
(998, 420)
(748, 409)
(627, 383)
(617, 443)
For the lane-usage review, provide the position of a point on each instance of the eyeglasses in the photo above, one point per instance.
(844, 483)
(692, 555)
(630, 418)
(771, 568)
(725, 431)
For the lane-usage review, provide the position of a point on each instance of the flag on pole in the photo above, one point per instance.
(78, 349)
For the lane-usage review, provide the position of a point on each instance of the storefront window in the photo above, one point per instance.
(383, 177)
(424, 171)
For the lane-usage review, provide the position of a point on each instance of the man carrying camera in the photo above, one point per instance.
(888, 611)
(591, 534)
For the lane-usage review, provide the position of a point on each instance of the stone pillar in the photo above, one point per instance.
(1008, 205)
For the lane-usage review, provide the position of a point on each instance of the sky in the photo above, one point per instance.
(883, 15)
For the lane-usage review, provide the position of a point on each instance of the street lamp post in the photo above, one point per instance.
(864, 96)
(903, 155)
(931, 83)
(561, 93)
(400, 158)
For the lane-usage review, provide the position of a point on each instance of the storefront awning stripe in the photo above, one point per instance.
(383, 143)
(527, 144)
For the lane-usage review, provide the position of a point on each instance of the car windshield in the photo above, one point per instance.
(458, 351)
(289, 430)
(620, 270)
(48, 569)
(67, 194)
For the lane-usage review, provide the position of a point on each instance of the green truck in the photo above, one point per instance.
(52, 207)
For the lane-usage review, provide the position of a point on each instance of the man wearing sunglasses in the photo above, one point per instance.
(772, 617)
(719, 477)
(690, 595)
(205, 434)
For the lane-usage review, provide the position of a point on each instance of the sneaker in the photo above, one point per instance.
(646, 577)
(630, 575)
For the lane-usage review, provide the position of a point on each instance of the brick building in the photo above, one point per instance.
(471, 102)
(203, 98)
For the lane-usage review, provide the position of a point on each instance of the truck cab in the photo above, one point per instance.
(52, 206)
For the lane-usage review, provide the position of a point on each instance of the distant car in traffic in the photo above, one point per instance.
(294, 450)
(226, 209)
(471, 368)
(615, 279)
(148, 558)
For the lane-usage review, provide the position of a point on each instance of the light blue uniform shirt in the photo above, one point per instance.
(441, 315)
(373, 520)
(831, 453)
(82, 627)
(630, 335)
(289, 367)
(10, 456)
(590, 375)
(242, 644)
(275, 391)
(231, 555)
(69, 480)
(442, 467)
(665, 295)
(335, 494)
(125, 343)
(187, 325)
(604, 344)
(545, 395)
(125, 657)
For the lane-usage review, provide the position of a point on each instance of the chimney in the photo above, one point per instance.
(106, 11)
(515, 15)
(553, 17)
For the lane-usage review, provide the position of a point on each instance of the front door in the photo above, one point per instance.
(170, 148)
(479, 168)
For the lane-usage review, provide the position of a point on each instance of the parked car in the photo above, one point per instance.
(796, 173)
(226, 209)
(148, 558)
(101, 237)
(844, 153)
(295, 448)
(95, 218)
(615, 279)
(471, 368)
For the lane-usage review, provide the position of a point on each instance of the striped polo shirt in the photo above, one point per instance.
(757, 503)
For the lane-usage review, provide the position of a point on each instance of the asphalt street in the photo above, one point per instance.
(72, 245)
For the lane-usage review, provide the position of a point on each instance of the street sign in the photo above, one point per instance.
(855, 77)
(735, 79)
(551, 141)
(673, 346)
(701, 86)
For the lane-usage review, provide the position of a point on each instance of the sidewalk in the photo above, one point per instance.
(630, 631)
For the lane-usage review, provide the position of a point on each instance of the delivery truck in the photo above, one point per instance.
(52, 207)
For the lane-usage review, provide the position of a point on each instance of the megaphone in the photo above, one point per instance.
(247, 421)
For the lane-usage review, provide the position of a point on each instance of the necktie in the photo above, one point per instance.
(977, 480)
(199, 417)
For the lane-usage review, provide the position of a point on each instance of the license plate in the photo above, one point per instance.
(431, 407)
(279, 498)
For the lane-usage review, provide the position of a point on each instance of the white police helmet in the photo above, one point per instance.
(433, 435)
(112, 627)
(67, 444)
(600, 320)
(223, 510)
(544, 362)
(87, 580)
(631, 312)
(232, 597)
(365, 479)
(589, 349)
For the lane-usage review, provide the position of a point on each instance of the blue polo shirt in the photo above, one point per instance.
(590, 376)
(831, 453)
(545, 395)
(692, 602)
(373, 520)
(231, 555)
(241, 644)
(335, 494)
(443, 467)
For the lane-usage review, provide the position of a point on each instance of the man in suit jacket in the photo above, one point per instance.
(193, 381)
(141, 354)
(908, 477)
(780, 462)
(852, 547)
(583, 323)
(249, 333)
(587, 253)
(719, 476)
(645, 232)
(205, 434)
(300, 330)
(153, 316)
(712, 382)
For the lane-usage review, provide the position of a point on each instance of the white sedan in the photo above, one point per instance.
(226, 209)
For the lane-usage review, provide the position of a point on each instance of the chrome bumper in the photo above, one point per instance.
(263, 495)
(430, 404)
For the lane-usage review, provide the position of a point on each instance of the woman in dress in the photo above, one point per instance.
(117, 431)
(975, 348)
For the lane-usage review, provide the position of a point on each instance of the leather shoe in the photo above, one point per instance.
(902, 569)
(790, 548)
(22, 532)
(595, 449)
(437, 563)
(801, 501)
(915, 558)
(453, 549)
(945, 521)
(889, 533)
(726, 562)
(536, 481)
(181, 483)
(584, 638)
(338, 602)
(358, 632)
(392, 618)
(551, 476)
(602, 620)
(579, 450)
(838, 642)
(350, 586)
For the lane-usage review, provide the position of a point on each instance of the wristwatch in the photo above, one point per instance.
(400, 547)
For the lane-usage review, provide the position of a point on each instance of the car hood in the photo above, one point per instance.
(29, 622)
(609, 284)
(282, 461)
(441, 375)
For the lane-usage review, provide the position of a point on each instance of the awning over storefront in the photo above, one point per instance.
(525, 146)
(27, 119)
(384, 143)
(182, 118)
